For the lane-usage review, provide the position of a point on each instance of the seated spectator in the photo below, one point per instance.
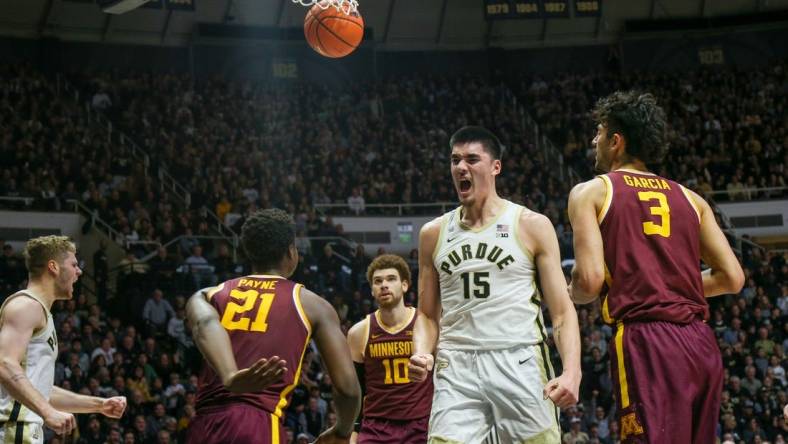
(176, 328)
(356, 201)
(201, 271)
(174, 391)
(106, 351)
(575, 435)
(224, 266)
(163, 268)
(157, 312)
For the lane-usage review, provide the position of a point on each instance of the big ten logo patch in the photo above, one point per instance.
(502, 231)
(630, 426)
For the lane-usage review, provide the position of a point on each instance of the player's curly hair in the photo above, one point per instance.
(389, 261)
(478, 134)
(266, 236)
(40, 250)
(639, 119)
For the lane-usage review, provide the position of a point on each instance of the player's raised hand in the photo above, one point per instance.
(563, 390)
(420, 366)
(61, 423)
(330, 436)
(114, 407)
(257, 377)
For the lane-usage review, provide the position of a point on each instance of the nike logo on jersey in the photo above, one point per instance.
(448, 241)
(375, 336)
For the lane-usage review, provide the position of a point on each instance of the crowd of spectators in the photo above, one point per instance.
(238, 147)
(241, 145)
(143, 349)
(728, 126)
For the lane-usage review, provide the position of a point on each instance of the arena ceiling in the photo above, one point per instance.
(397, 24)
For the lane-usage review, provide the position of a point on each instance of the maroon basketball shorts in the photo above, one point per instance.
(235, 424)
(667, 380)
(384, 431)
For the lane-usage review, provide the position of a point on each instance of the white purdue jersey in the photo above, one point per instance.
(38, 364)
(487, 287)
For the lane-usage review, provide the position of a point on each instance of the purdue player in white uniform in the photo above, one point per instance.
(28, 350)
(480, 311)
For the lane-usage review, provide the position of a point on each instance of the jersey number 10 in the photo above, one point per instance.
(249, 299)
(399, 367)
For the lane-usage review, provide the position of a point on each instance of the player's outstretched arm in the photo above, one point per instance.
(71, 402)
(333, 348)
(588, 274)
(540, 234)
(357, 342)
(214, 344)
(425, 330)
(725, 275)
(21, 317)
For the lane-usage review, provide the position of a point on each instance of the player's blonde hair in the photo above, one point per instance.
(389, 261)
(40, 250)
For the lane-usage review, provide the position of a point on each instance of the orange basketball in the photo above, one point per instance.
(331, 32)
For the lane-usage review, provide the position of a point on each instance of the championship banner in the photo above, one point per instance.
(511, 9)
(588, 8)
(555, 8)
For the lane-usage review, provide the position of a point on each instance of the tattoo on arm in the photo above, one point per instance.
(557, 332)
(18, 377)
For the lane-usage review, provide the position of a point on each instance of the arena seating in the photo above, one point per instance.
(238, 147)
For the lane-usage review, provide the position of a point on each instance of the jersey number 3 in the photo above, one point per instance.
(249, 300)
(662, 210)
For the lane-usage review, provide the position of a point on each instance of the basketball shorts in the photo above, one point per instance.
(667, 381)
(21, 432)
(493, 396)
(235, 424)
(385, 431)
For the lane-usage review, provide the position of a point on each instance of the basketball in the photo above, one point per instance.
(331, 32)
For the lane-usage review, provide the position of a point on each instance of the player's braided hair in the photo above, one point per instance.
(389, 261)
(266, 237)
(638, 118)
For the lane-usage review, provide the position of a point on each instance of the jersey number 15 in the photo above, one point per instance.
(476, 284)
(249, 300)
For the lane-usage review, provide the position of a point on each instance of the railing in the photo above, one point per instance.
(92, 115)
(347, 243)
(749, 194)
(399, 209)
(167, 245)
(551, 154)
(27, 201)
(166, 180)
(113, 234)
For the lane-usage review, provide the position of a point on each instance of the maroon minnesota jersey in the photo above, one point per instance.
(264, 317)
(389, 392)
(651, 233)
